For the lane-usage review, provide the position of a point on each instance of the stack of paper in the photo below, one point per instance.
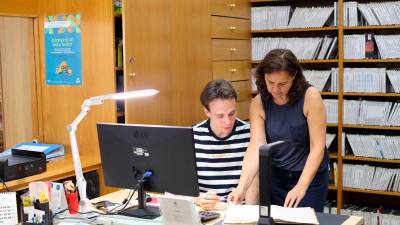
(303, 215)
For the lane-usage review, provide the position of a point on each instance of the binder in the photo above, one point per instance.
(50, 150)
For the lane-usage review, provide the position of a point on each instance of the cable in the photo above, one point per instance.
(4, 184)
(124, 202)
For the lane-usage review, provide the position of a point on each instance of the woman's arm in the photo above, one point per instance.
(250, 161)
(314, 111)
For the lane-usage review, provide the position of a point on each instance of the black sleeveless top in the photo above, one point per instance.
(287, 122)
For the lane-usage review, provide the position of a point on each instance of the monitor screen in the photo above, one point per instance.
(129, 150)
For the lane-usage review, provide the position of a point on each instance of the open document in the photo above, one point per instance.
(248, 214)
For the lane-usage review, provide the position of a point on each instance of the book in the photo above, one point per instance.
(302, 215)
(249, 214)
(50, 150)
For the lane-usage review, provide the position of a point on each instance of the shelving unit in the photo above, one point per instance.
(119, 70)
(342, 196)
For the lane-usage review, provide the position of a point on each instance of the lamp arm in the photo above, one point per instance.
(80, 179)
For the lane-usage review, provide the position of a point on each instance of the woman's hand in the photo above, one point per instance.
(236, 196)
(207, 201)
(294, 196)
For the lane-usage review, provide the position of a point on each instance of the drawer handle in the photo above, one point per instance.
(232, 49)
(232, 5)
(232, 28)
(234, 70)
(132, 75)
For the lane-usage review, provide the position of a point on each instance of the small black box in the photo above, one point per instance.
(21, 163)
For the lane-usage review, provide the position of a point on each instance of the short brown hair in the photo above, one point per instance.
(217, 89)
(281, 60)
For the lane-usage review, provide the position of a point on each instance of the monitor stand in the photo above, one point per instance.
(141, 211)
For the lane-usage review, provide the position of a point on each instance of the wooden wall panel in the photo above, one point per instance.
(17, 77)
(60, 104)
(191, 54)
(169, 50)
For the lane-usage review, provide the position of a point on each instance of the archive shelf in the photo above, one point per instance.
(375, 192)
(329, 93)
(371, 60)
(119, 70)
(295, 30)
(308, 61)
(342, 63)
(351, 157)
(332, 187)
(359, 94)
(370, 127)
(369, 28)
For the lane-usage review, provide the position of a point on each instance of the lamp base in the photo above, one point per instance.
(86, 217)
(266, 221)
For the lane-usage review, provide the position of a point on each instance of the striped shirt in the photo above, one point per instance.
(219, 160)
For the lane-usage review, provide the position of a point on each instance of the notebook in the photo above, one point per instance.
(8, 208)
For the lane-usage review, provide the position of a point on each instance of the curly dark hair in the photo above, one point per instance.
(214, 89)
(281, 60)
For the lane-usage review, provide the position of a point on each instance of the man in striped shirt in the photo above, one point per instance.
(220, 143)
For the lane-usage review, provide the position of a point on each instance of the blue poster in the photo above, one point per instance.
(63, 49)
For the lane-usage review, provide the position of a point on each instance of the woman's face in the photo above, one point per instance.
(279, 84)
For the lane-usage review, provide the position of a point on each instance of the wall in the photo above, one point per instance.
(59, 105)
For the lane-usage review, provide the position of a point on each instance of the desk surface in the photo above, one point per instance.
(58, 168)
(221, 207)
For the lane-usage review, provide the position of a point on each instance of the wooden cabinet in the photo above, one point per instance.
(232, 28)
(167, 47)
(231, 70)
(224, 49)
(231, 48)
(18, 103)
(173, 46)
(231, 8)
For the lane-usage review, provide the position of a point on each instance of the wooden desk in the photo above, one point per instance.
(118, 196)
(57, 169)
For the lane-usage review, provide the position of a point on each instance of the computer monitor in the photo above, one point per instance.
(148, 158)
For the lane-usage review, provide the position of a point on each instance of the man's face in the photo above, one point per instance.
(222, 116)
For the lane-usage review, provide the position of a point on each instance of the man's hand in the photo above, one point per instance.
(207, 201)
(236, 196)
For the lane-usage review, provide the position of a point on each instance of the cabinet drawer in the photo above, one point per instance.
(231, 49)
(232, 70)
(224, 27)
(243, 89)
(232, 8)
(243, 109)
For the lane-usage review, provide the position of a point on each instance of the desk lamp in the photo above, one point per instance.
(97, 100)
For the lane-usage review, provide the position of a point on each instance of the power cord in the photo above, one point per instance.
(125, 202)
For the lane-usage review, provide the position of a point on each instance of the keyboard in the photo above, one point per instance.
(207, 215)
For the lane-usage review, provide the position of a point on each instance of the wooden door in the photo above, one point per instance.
(167, 47)
(18, 80)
